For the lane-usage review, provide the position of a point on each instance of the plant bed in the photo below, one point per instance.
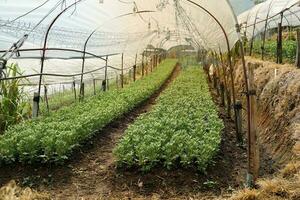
(52, 138)
(182, 129)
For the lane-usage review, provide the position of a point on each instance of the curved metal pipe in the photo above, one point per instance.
(265, 30)
(228, 54)
(253, 32)
(94, 31)
(45, 45)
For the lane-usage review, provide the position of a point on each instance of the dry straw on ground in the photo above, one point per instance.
(13, 192)
(285, 186)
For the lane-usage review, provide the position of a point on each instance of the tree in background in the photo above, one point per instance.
(258, 1)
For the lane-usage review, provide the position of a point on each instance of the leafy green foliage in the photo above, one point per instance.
(52, 138)
(182, 129)
(289, 49)
(13, 106)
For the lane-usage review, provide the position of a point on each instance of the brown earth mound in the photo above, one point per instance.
(278, 95)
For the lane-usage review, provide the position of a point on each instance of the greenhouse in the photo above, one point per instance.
(160, 99)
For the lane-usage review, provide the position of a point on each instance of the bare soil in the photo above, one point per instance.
(92, 172)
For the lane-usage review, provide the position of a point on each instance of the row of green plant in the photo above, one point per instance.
(16, 104)
(289, 50)
(60, 99)
(63, 98)
(52, 138)
(183, 128)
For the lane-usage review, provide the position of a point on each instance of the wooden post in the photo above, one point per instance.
(214, 81)
(36, 100)
(81, 92)
(74, 89)
(107, 84)
(122, 71)
(239, 131)
(147, 67)
(228, 103)
(134, 68)
(129, 74)
(222, 94)
(226, 85)
(143, 65)
(46, 98)
(106, 61)
(152, 63)
(117, 81)
(103, 85)
(217, 85)
(298, 49)
(94, 84)
(253, 155)
(134, 73)
(279, 44)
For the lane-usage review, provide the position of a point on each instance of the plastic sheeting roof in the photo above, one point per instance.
(120, 26)
(270, 11)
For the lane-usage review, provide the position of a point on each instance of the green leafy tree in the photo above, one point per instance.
(258, 1)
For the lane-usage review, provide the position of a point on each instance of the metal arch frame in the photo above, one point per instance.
(94, 31)
(270, 17)
(229, 56)
(293, 13)
(255, 22)
(45, 46)
(243, 64)
(253, 32)
(265, 30)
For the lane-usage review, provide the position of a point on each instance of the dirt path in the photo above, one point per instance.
(92, 174)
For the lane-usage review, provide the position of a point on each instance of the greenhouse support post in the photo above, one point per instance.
(122, 70)
(227, 94)
(252, 146)
(134, 68)
(229, 104)
(146, 67)
(251, 132)
(105, 77)
(117, 81)
(81, 92)
(298, 49)
(46, 98)
(239, 107)
(143, 64)
(36, 99)
(45, 47)
(152, 63)
(251, 123)
(222, 90)
(279, 40)
(74, 89)
(94, 85)
(134, 73)
(279, 44)
(217, 85)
